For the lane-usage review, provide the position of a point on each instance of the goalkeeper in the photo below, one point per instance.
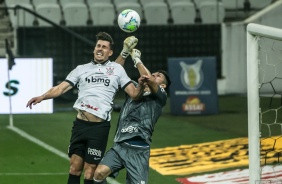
(135, 127)
(98, 82)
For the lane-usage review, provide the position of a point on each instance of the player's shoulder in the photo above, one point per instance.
(113, 63)
(84, 65)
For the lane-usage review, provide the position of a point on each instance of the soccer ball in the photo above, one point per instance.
(129, 20)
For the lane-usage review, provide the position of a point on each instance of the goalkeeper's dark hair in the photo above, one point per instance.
(105, 37)
(167, 79)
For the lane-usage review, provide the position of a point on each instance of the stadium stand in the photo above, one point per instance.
(234, 9)
(169, 2)
(50, 10)
(180, 12)
(143, 2)
(15, 2)
(211, 11)
(116, 2)
(75, 13)
(198, 2)
(63, 2)
(6, 31)
(233, 5)
(183, 12)
(20, 17)
(89, 2)
(102, 13)
(156, 13)
(258, 4)
(37, 2)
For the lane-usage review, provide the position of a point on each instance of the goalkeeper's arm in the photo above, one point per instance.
(128, 44)
(136, 57)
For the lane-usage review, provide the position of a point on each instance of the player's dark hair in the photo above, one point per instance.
(167, 82)
(105, 37)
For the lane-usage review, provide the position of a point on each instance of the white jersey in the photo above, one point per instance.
(97, 84)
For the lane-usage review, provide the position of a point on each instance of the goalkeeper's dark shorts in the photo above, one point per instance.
(134, 159)
(89, 140)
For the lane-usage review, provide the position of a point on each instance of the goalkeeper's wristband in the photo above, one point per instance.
(136, 61)
(124, 54)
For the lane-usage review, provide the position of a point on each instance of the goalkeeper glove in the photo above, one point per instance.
(128, 44)
(136, 55)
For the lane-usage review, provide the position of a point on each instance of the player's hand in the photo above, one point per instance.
(136, 57)
(128, 44)
(143, 79)
(34, 101)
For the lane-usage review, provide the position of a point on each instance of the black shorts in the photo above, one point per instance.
(89, 140)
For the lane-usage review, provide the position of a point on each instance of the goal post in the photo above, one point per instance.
(254, 33)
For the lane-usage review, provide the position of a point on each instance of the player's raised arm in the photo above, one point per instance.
(151, 79)
(136, 57)
(136, 92)
(51, 93)
(128, 44)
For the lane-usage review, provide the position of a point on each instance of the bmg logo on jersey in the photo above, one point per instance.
(98, 80)
(94, 152)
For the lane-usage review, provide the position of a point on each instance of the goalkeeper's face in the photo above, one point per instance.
(160, 79)
(102, 51)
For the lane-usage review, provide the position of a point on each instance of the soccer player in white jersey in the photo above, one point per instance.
(137, 120)
(98, 82)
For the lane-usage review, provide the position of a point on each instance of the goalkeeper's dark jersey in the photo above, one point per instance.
(138, 118)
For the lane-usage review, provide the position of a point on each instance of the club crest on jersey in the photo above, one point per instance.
(110, 71)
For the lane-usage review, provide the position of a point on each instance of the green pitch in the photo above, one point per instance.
(26, 162)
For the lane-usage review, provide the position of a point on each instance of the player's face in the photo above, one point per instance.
(102, 51)
(159, 77)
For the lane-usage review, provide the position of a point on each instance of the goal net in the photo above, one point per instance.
(264, 75)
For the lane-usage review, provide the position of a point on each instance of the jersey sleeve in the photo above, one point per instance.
(72, 77)
(124, 79)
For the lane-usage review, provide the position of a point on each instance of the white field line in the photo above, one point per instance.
(48, 147)
(38, 142)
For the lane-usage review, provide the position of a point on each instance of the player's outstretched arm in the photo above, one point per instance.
(136, 57)
(136, 92)
(51, 93)
(128, 44)
(120, 60)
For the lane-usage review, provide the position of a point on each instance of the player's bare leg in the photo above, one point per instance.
(76, 166)
(101, 174)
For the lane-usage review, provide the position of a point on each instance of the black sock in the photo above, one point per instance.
(73, 179)
(86, 181)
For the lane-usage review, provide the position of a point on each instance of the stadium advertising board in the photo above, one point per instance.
(194, 87)
(29, 77)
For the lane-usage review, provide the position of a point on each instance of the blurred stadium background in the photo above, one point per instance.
(65, 31)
